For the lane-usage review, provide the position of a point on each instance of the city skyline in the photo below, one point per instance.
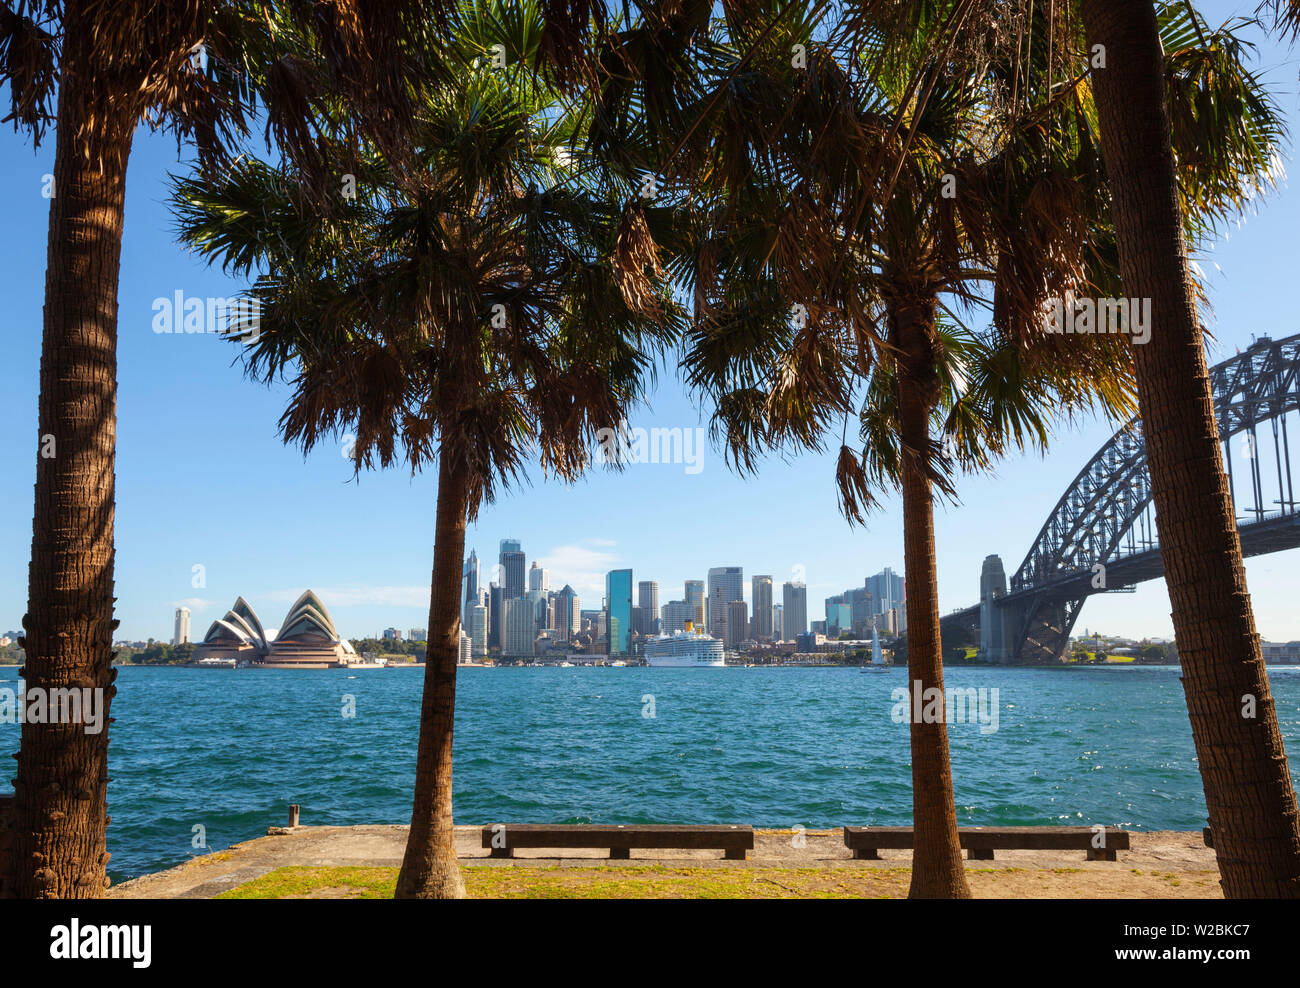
(183, 407)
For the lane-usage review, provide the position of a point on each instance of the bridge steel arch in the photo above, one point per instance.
(1101, 535)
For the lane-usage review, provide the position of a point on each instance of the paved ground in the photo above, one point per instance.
(1161, 864)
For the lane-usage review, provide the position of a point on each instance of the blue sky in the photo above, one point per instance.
(203, 480)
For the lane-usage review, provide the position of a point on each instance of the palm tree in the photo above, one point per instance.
(492, 304)
(812, 186)
(115, 66)
(1248, 789)
(824, 197)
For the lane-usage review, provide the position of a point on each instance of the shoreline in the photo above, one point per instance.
(1161, 864)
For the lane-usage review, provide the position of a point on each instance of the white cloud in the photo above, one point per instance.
(582, 568)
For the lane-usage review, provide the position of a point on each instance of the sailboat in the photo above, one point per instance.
(877, 662)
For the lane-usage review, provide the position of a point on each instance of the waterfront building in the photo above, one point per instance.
(726, 584)
(794, 600)
(761, 597)
(466, 648)
(618, 609)
(478, 629)
(307, 638)
(839, 619)
(647, 600)
(520, 628)
(239, 636)
(1280, 653)
(568, 614)
(737, 623)
(181, 632)
(675, 614)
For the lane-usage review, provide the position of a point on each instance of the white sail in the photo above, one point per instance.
(876, 660)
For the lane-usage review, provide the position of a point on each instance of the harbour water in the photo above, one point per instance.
(229, 750)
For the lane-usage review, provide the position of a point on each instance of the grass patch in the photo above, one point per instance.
(649, 882)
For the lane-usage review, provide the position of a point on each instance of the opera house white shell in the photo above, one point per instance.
(307, 638)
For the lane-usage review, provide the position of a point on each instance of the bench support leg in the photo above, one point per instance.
(734, 854)
(866, 854)
(502, 852)
(1101, 854)
(620, 853)
(973, 854)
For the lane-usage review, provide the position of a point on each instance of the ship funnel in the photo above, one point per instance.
(690, 626)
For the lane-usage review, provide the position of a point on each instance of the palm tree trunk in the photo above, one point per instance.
(429, 867)
(937, 871)
(60, 811)
(1248, 790)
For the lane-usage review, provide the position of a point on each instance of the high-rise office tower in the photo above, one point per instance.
(539, 579)
(886, 590)
(469, 577)
(478, 628)
(674, 616)
(520, 628)
(568, 614)
(695, 597)
(466, 648)
(618, 609)
(726, 584)
(647, 599)
(737, 629)
(496, 611)
(761, 597)
(778, 622)
(181, 633)
(512, 568)
(794, 602)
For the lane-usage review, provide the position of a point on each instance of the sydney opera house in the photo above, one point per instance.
(306, 640)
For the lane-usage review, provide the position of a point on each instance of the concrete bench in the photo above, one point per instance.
(980, 842)
(505, 839)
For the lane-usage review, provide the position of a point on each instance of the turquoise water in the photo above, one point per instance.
(230, 750)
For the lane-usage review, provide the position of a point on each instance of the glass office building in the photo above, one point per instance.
(618, 609)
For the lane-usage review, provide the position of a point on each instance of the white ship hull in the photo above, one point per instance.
(684, 661)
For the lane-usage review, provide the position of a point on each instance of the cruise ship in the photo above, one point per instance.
(685, 648)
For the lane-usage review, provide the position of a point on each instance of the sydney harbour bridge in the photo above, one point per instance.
(1101, 537)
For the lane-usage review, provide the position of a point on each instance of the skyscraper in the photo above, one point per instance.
(778, 622)
(618, 609)
(478, 629)
(794, 610)
(469, 586)
(675, 614)
(539, 579)
(519, 628)
(181, 633)
(886, 590)
(737, 629)
(568, 619)
(726, 583)
(647, 600)
(512, 569)
(761, 597)
(496, 611)
(695, 598)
